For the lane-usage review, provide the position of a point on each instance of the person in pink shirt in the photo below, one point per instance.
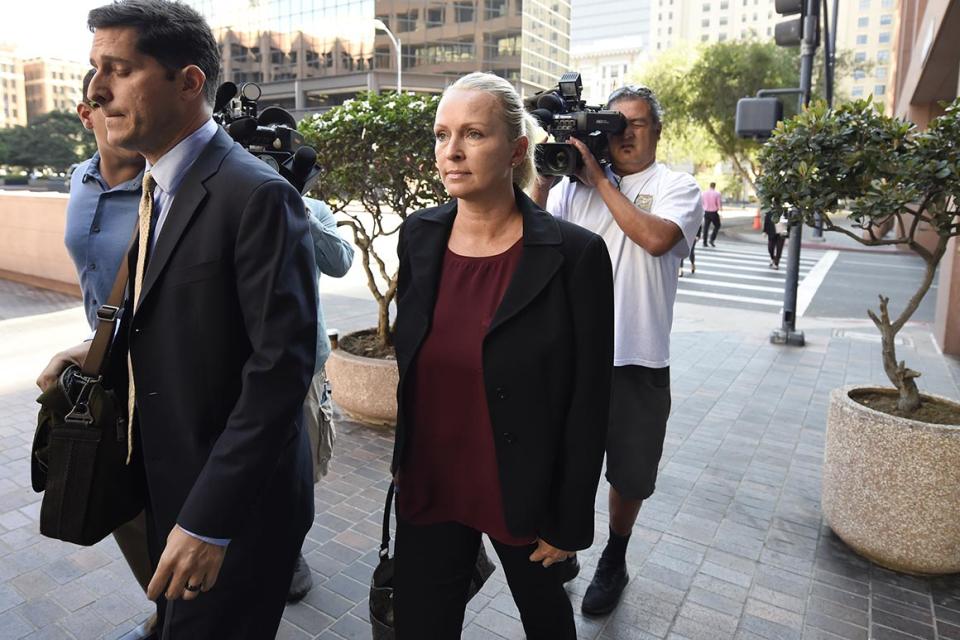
(712, 204)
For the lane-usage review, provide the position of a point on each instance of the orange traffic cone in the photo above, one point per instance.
(756, 221)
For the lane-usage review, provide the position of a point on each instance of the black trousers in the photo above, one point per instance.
(432, 569)
(710, 218)
(775, 246)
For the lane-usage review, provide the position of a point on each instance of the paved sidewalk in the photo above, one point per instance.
(732, 545)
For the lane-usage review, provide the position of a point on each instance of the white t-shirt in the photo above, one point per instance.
(645, 286)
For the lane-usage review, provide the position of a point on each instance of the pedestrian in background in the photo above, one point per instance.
(776, 236)
(693, 254)
(712, 205)
(334, 256)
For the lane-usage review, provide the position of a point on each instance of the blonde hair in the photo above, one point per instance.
(519, 123)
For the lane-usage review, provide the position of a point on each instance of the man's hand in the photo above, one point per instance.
(591, 174)
(74, 355)
(548, 554)
(186, 561)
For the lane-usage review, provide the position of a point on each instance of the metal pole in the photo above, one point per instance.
(787, 333)
(379, 24)
(399, 63)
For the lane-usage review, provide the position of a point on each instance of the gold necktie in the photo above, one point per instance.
(146, 213)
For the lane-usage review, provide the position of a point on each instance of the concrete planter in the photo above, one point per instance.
(891, 486)
(365, 389)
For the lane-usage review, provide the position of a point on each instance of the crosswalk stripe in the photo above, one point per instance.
(808, 288)
(806, 255)
(751, 258)
(731, 285)
(723, 296)
(773, 277)
(737, 267)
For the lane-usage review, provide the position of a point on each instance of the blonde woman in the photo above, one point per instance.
(504, 342)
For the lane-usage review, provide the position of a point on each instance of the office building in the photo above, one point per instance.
(927, 73)
(868, 28)
(865, 27)
(51, 84)
(605, 65)
(313, 54)
(675, 21)
(11, 86)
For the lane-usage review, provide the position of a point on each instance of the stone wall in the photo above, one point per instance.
(31, 240)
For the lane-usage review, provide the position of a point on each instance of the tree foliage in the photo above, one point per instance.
(699, 90)
(682, 140)
(376, 150)
(53, 141)
(883, 170)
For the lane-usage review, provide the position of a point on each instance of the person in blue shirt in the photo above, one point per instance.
(102, 209)
(101, 217)
(334, 256)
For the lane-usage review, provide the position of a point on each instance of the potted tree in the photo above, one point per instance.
(891, 473)
(375, 151)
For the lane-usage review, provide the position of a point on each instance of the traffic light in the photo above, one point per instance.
(757, 117)
(789, 33)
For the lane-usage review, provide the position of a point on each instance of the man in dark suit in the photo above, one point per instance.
(218, 337)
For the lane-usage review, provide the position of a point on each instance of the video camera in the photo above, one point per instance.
(271, 136)
(564, 115)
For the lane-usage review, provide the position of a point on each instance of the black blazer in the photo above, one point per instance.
(547, 363)
(223, 347)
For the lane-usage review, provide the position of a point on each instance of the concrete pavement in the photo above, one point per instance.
(732, 545)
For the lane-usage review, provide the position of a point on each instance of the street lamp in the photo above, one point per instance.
(378, 24)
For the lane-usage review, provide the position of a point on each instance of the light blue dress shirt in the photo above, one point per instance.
(334, 256)
(100, 225)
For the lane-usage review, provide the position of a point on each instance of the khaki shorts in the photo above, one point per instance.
(318, 419)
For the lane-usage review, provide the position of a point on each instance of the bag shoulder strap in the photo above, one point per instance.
(385, 536)
(107, 317)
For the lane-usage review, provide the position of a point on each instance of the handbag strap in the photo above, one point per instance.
(385, 536)
(107, 317)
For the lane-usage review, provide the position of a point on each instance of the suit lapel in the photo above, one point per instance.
(426, 249)
(184, 207)
(539, 263)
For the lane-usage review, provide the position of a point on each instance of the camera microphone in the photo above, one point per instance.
(225, 93)
(551, 102)
(303, 162)
(242, 128)
(544, 117)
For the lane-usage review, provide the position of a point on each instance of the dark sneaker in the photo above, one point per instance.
(302, 580)
(713, 244)
(569, 568)
(605, 589)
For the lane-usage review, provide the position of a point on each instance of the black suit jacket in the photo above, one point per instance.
(547, 363)
(223, 346)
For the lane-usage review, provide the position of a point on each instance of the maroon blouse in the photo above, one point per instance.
(450, 474)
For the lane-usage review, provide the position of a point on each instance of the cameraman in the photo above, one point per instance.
(648, 215)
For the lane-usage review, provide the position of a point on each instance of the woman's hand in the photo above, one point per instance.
(548, 554)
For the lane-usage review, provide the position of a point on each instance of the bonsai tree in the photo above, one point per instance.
(376, 150)
(882, 169)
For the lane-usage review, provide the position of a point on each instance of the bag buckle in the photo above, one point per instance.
(81, 408)
(108, 313)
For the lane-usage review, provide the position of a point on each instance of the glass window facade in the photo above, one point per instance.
(267, 41)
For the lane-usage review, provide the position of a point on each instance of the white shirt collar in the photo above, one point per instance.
(171, 168)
